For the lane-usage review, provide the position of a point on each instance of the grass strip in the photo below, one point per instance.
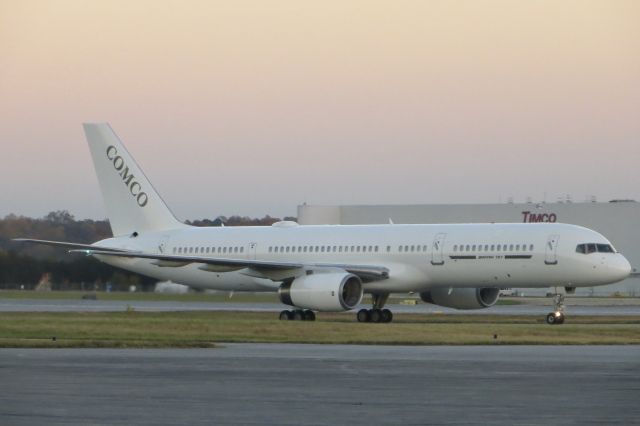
(205, 329)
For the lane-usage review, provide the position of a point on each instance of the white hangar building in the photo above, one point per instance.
(617, 220)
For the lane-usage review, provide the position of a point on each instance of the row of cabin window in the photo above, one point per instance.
(492, 247)
(325, 249)
(207, 250)
(343, 249)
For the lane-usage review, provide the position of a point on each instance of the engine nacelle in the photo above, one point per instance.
(330, 292)
(462, 298)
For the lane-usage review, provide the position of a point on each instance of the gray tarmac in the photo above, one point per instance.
(276, 384)
(79, 305)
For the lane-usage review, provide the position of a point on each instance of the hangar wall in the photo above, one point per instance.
(619, 221)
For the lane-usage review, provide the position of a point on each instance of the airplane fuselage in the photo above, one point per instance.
(418, 257)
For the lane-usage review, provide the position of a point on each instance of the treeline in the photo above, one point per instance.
(25, 265)
(238, 221)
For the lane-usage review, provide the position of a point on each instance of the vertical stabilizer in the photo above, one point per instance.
(132, 204)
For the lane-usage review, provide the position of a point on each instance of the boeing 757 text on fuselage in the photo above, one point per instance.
(329, 268)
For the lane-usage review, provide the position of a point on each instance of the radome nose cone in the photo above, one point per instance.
(621, 268)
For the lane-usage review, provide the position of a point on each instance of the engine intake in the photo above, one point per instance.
(462, 298)
(330, 292)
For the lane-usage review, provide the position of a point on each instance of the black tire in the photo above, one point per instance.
(376, 315)
(551, 318)
(363, 315)
(309, 315)
(560, 319)
(298, 315)
(387, 315)
(285, 315)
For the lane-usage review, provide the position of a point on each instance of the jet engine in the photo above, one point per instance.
(329, 292)
(462, 298)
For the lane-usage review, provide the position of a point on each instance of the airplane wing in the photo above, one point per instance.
(258, 268)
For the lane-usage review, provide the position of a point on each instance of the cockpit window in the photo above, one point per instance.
(593, 247)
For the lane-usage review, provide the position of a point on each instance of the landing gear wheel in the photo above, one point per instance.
(376, 315)
(298, 315)
(387, 315)
(557, 316)
(309, 315)
(285, 316)
(363, 315)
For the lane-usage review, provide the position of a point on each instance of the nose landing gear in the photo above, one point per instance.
(557, 316)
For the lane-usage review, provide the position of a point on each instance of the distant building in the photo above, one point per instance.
(618, 220)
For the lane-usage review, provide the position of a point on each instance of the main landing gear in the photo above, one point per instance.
(298, 315)
(377, 314)
(557, 316)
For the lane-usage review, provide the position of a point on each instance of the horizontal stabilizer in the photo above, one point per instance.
(71, 246)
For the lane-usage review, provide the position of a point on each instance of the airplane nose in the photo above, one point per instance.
(619, 268)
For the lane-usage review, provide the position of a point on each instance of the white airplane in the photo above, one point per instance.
(329, 268)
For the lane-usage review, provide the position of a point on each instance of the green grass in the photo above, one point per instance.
(206, 329)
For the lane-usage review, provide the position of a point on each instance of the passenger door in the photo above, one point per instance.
(550, 255)
(163, 244)
(437, 249)
(251, 253)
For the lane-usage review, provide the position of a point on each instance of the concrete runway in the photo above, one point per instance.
(275, 384)
(79, 305)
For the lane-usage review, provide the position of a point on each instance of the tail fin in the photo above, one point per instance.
(132, 203)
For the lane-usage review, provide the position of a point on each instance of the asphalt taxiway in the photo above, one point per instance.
(275, 384)
(614, 307)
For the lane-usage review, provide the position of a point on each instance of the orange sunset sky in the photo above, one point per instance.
(253, 107)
